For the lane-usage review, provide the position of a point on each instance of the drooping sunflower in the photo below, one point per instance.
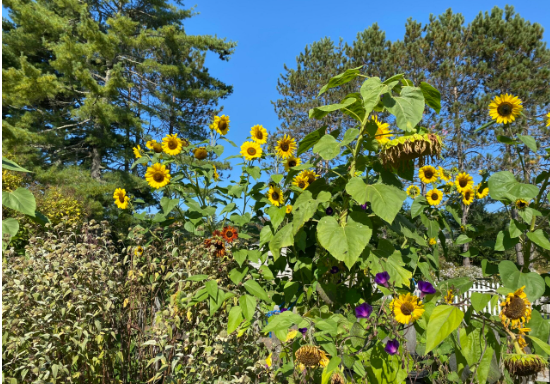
(310, 175)
(407, 308)
(157, 175)
(516, 309)
(521, 204)
(292, 162)
(301, 181)
(432, 241)
(220, 124)
(200, 153)
(443, 174)
(121, 200)
(413, 191)
(482, 191)
(468, 196)
(523, 365)
(288, 208)
(138, 251)
(137, 151)
(427, 174)
(449, 297)
(463, 182)
(251, 150)
(229, 234)
(172, 145)
(259, 134)
(434, 197)
(275, 196)
(216, 174)
(285, 147)
(311, 356)
(505, 108)
(383, 134)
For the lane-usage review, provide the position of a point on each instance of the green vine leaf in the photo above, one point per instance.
(444, 320)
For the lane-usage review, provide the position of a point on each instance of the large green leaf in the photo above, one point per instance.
(444, 320)
(283, 238)
(256, 290)
(540, 328)
(248, 306)
(340, 79)
(21, 200)
(407, 108)
(276, 215)
(10, 227)
(432, 96)
(386, 200)
(514, 279)
(235, 318)
(320, 112)
(328, 147)
(480, 300)
(541, 344)
(504, 186)
(345, 243)
(398, 274)
(529, 141)
(12, 166)
(386, 369)
(168, 204)
(311, 139)
(371, 90)
(539, 238)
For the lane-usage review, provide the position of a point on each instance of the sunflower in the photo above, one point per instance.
(275, 196)
(215, 245)
(138, 251)
(468, 196)
(407, 308)
(432, 241)
(157, 175)
(523, 365)
(521, 204)
(301, 181)
(449, 297)
(251, 150)
(548, 119)
(172, 145)
(121, 200)
(285, 147)
(229, 234)
(220, 124)
(150, 144)
(200, 153)
(482, 192)
(434, 197)
(504, 109)
(310, 175)
(288, 208)
(311, 356)
(516, 309)
(137, 152)
(216, 174)
(448, 188)
(463, 182)
(383, 134)
(337, 378)
(292, 162)
(443, 174)
(413, 191)
(258, 134)
(427, 174)
(521, 341)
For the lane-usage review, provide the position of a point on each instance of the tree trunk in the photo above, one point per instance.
(96, 164)
(519, 247)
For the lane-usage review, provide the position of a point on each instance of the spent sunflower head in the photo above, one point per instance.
(407, 308)
(311, 356)
(427, 174)
(463, 182)
(251, 150)
(172, 145)
(121, 200)
(138, 251)
(292, 162)
(157, 175)
(516, 309)
(258, 134)
(522, 365)
(285, 147)
(275, 196)
(220, 124)
(505, 108)
(434, 197)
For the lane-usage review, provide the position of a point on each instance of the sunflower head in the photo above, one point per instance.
(468, 196)
(251, 150)
(449, 297)
(428, 174)
(137, 151)
(215, 245)
(434, 197)
(482, 191)
(521, 204)
(522, 365)
(157, 175)
(311, 356)
(413, 191)
(443, 174)
(150, 144)
(229, 234)
(463, 182)
(200, 153)
(407, 308)
(285, 147)
(220, 124)
(301, 181)
(383, 134)
(399, 152)
(310, 175)
(258, 134)
(505, 108)
(516, 309)
(172, 145)
(292, 162)
(288, 209)
(121, 200)
(275, 196)
(138, 251)
(337, 378)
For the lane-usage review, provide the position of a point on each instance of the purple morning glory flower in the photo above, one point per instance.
(382, 278)
(392, 347)
(334, 270)
(303, 331)
(329, 211)
(363, 311)
(283, 310)
(364, 206)
(425, 288)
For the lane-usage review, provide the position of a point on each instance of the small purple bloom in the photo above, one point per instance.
(425, 288)
(364, 206)
(363, 311)
(283, 310)
(334, 270)
(329, 211)
(303, 331)
(382, 278)
(392, 347)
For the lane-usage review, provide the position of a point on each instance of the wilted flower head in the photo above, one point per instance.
(363, 311)
(425, 288)
(392, 347)
(382, 278)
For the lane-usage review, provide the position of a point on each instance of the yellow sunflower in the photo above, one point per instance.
(138, 251)
(259, 134)
(251, 150)
(200, 153)
(463, 182)
(301, 181)
(275, 196)
(172, 145)
(504, 109)
(413, 191)
(157, 175)
(216, 174)
(310, 175)
(292, 162)
(521, 204)
(407, 308)
(427, 174)
(468, 196)
(434, 197)
(443, 174)
(285, 147)
(382, 133)
(150, 144)
(220, 124)
(548, 120)
(449, 297)
(432, 241)
(121, 200)
(516, 309)
(288, 208)
(482, 192)
(137, 152)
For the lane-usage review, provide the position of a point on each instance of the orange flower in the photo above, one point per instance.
(229, 234)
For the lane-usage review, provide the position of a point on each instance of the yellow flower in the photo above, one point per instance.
(449, 297)
(288, 208)
(200, 153)
(121, 200)
(407, 308)
(172, 145)
(268, 361)
(521, 204)
(434, 197)
(516, 310)
(157, 175)
(292, 162)
(427, 174)
(285, 147)
(311, 356)
(310, 175)
(275, 196)
(220, 124)
(151, 144)
(432, 241)
(291, 335)
(448, 188)
(463, 182)
(413, 191)
(301, 181)
(382, 133)
(468, 196)
(443, 174)
(548, 120)
(137, 152)
(259, 134)
(216, 174)
(251, 150)
(482, 191)
(138, 251)
(504, 109)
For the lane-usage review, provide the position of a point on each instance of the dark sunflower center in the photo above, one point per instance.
(222, 125)
(505, 109)
(121, 197)
(521, 204)
(251, 151)
(407, 309)
(259, 135)
(275, 196)
(172, 144)
(284, 147)
(429, 174)
(302, 184)
(434, 196)
(157, 148)
(292, 163)
(229, 234)
(467, 195)
(158, 177)
(463, 182)
(219, 246)
(516, 308)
